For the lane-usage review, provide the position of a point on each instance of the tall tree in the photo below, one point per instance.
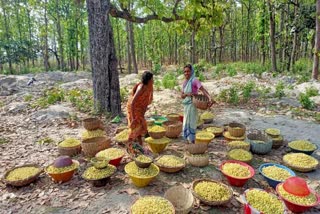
(272, 35)
(315, 70)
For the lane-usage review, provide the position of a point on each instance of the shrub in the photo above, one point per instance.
(169, 81)
(247, 89)
(231, 71)
(312, 91)
(28, 98)
(233, 95)
(280, 90)
(305, 101)
(157, 85)
(50, 97)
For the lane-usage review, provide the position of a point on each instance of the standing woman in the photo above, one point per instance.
(190, 87)
(141, 96)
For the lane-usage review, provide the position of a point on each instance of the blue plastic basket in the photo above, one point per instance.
(273, 183)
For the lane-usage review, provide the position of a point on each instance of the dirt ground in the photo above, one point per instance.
(22, 128)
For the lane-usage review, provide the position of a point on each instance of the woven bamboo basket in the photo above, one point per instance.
(69, 151)
(196, 148)
(143, 164)
(157, 135)
(244, 147)
(168, 169)
(173, 117)
(236, 129)
(181, 198)
(173, 128)
(211, 203)
(216, 130)
(92, 146)
(199, 161)
(102, 181)
(277, 142)
(146, 206)
(200, 101)
(299, 168)
(246, 161)
(92, 123)
(259, 148)
(25, 181)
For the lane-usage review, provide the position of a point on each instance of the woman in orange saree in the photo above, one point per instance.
(141, 96)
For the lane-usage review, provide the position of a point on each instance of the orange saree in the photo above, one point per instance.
(136, 122)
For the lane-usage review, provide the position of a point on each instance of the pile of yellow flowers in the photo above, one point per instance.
(272, 131)
(171, 161)
(22, 173)
(239, 145)
(240, 154)
(157, 129)
(200, 122)
(276, 173)
(206, 116)
(302, 145)
(264, 202)
(93, 173)
(152, 204)
(236, 170)
(301, 200)
(214, 129)
(204, 135)
(111, 153)
(91, 134)
(133, 170)
(300, 160)
(54, 170)
(70, 142)
(122, 136)
(163, 140)
(144, 159)
(212, 191)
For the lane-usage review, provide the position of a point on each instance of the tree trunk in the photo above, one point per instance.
(175, 48)
(315, 70)
(46, 52)
(193, 47)
(7, 34)
(60, 39)
(272, 37)
(128, 48)
(294, 42)
(119, 45)
(132, 48)
(221, 33)
(103, 58)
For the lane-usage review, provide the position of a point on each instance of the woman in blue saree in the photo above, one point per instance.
(191, 86)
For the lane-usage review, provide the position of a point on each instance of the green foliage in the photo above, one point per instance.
(50, 97)
(157, 85)
(231, 71)
(280, 90)
(179, 71)
(82, 99)
(220, 68)
(156, 68)
(233, 95)
(46, 140)
(312, 91)
(3, 140)
(28, 98)
(317, 117)
(169, 80)
(263, 91)
(303, 65)
(124, 93)
(247, 89)
(305, 101)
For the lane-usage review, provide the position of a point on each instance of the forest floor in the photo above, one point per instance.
(24, 128)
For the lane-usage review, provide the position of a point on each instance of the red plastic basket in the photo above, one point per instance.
(297, 208)
(235, 181)
(116, 162)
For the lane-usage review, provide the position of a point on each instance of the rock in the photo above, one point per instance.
(289, 113)
(16, 107)
(82, 84)
(316, 99)
(52, 112)
(303, 87)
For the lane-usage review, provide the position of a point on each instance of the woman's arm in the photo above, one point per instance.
(134, 99)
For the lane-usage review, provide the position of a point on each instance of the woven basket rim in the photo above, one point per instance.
(69, 147)
(91, 119)
(191, 147)
(233, 138)
(214, 203)
(172, 123)
(24, 181)
(96, 139)
(173, 208)
(189, 195)
(109, 165)
(303, 150)
(246, 161)
(236, 124)
(168, 167)
(75, 168)
(301, 169)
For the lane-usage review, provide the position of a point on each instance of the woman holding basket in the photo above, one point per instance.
(190, 87)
